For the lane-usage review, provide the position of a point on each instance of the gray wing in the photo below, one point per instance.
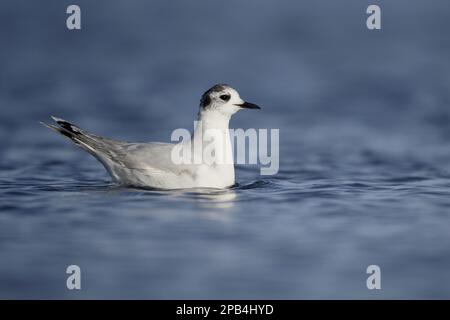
(150, 158)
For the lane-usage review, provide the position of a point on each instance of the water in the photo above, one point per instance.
(364, 175)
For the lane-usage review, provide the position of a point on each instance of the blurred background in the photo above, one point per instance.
(364, 119)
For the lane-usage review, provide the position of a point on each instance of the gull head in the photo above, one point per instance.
(224, 99)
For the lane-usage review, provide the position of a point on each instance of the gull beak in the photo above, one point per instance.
(248, 105)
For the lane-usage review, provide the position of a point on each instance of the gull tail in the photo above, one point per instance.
(74, 133)
(105, 150)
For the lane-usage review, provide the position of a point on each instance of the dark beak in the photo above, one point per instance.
(248, 105)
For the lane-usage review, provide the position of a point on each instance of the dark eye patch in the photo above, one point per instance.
(225, 97)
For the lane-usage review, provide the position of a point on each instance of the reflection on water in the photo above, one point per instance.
(216, 199)
(364, 150)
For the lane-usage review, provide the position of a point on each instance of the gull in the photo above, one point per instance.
(152, 165)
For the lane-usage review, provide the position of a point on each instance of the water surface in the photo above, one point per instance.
(364, 140)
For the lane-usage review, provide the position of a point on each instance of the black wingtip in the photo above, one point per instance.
(66, 125)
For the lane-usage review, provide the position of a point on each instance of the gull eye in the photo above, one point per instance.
(225, 97)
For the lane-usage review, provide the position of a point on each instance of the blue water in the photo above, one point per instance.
(364, 119)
